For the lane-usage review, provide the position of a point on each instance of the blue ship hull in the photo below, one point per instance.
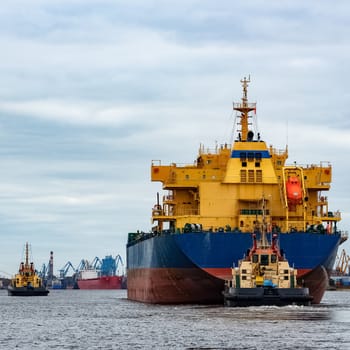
(192, 267)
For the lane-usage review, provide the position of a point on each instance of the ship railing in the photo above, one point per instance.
(344, 235)
(323, 164)
(251, 105)
(216, 150)
(277, 152)
(335, 214)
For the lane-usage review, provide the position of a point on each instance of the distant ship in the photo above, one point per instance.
(104, 277)
(211, 209)
(27, 282)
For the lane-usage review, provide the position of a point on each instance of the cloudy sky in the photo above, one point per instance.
(92, 91)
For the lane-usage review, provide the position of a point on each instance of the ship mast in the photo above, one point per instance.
(245, 107)
(27, 256)
(263, 240)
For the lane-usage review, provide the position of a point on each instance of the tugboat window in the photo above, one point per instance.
(264, 259)
(273, 258)
(255, 258)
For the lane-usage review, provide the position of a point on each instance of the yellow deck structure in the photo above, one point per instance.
(224, 188)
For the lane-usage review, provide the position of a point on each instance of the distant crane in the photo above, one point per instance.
(43, 272)
(118, 259)
(66, 281)
(65, 269)
(96, 263)
(343, 264)
(84, 264)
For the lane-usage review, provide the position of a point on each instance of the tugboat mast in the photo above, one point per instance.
(27, 255)
(245, 107)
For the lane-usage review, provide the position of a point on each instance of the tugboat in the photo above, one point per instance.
(264, 277)
(27, 282)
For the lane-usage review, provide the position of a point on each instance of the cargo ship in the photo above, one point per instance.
(104, 277)
(210, 209)
(27, 282)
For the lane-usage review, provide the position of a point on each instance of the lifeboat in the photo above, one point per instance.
(294, 190)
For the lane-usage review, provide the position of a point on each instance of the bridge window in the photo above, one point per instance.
(264, 259)
(243, 156)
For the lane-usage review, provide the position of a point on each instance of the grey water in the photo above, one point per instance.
(80, 319)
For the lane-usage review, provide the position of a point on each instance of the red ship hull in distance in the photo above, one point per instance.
(104, 282)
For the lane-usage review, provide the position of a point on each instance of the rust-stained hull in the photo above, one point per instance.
(191, 268)
(174, 286)
(194, 286)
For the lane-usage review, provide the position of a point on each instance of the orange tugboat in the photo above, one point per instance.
(27, 282)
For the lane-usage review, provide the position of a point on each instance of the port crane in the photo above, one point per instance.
(43, 272)
(96, 263)
(343, 264)
(84, 264)
(65, 269)
(118, 259)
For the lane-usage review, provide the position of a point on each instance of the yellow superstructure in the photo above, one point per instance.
(224, 188)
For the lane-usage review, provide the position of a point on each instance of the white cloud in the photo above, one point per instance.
(91, 92)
